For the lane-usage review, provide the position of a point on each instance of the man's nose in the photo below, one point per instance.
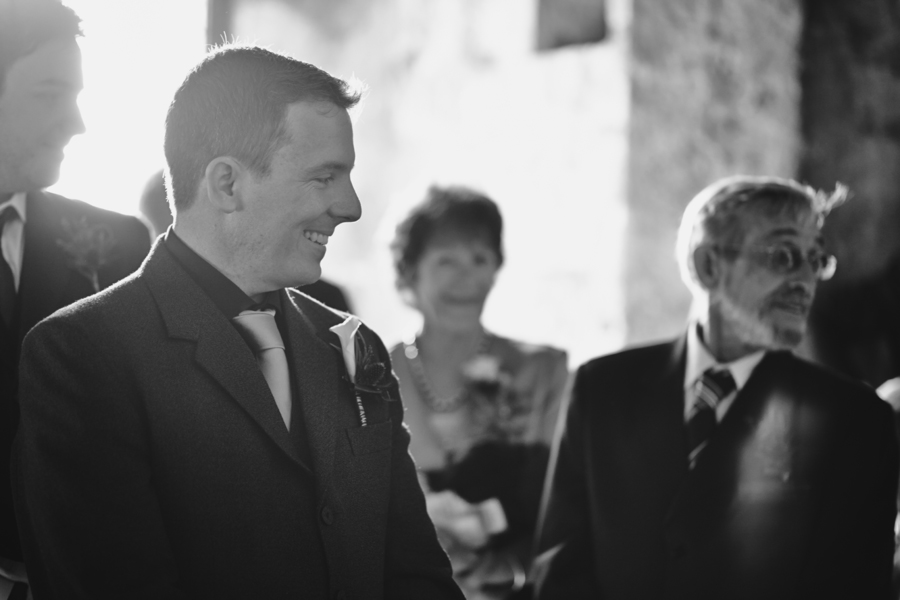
(74, 121)
(348, 208)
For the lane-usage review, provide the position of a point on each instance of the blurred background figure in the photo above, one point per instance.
(54, 250)
(154, 207)
(481, 408)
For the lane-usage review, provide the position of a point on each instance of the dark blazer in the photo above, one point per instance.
(793, 497)
(49, 281)
(152, 460)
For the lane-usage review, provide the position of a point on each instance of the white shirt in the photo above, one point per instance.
(699, 359)
(12, 241)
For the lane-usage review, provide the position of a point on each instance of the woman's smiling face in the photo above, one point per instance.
(453, 278)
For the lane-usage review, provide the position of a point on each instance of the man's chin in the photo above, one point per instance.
(787, 337)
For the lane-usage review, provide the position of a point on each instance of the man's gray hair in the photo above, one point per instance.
(716, 214)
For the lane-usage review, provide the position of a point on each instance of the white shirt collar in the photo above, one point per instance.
(18, 202)
(699, 359)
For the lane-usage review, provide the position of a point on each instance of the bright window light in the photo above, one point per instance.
(135, 54)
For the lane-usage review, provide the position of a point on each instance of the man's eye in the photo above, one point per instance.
(326, 179)
(783, 258)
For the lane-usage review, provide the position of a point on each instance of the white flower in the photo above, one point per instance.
(483, 367)
(346, 331)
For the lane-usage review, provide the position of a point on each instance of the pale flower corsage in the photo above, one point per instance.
(89, 247)
(367, 374)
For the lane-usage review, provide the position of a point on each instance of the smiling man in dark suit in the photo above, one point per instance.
(718, 465)
(203, 430)
(54, 250)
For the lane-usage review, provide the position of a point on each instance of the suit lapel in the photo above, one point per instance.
(667, 457)
(319, 386)
(220, 351)
(45, 270)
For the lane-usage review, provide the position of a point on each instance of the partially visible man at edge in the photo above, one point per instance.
(718, 465)
(54, 250)
(203, 430)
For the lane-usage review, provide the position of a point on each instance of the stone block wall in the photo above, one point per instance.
(715, 92)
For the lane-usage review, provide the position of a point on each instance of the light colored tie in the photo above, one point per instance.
(259, 329)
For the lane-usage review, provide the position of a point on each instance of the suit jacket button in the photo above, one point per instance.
(327, 515)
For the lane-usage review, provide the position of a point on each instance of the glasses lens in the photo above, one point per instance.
(784, 258)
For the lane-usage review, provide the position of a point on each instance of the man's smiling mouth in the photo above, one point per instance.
(316, 237)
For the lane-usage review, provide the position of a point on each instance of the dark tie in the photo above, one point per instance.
(259, 329)
(711, 388)
(7, 280)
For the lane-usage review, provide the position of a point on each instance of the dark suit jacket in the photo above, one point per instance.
(153, 462)
(50, 281)
(793, 497)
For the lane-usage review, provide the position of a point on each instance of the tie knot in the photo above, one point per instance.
(259, 329)
(714, 385)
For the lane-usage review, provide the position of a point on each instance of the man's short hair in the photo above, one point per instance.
(233, 104)
(26, 25)
(716, 215)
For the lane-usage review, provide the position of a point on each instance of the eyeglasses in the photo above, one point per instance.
(785, 258)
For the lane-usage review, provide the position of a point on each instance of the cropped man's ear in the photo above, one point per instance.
(222, 182)
(706, 266)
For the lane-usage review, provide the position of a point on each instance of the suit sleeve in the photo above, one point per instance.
(90, 522)
(415, 564)
(563, 567)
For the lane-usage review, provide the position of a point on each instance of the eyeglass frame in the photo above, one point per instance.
(824, 270)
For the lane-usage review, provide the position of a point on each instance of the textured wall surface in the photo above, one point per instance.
(851, 126)
(715, 92)
(458, 93)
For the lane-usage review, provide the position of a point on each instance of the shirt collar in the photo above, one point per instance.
(226, 295)
(699, 359)
(18, 202)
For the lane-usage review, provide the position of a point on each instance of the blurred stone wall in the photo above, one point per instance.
(715, 92)
(458, 92)
(851, 129)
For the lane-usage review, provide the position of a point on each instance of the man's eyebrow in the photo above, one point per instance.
(334, 165)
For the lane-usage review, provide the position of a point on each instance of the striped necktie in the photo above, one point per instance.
(710, 389)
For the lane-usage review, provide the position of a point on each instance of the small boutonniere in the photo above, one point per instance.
(367, 374)
(490, 389)
(89, 247)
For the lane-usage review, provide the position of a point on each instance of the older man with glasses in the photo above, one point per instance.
(719, 465)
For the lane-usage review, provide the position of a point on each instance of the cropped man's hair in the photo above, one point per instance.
(717, 216)
(454, 211)
(25, 25)
(233, 104)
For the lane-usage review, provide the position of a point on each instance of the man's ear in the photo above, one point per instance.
(221, 178)
(706, 266)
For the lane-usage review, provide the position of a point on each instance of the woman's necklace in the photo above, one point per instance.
(423, 384)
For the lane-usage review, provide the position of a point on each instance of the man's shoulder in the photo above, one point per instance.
(649, 358)
(106, 309)
(76, 212)
(819, 381)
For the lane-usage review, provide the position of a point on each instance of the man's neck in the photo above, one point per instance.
(725, 348)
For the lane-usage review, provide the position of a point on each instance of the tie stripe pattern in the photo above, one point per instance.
(710, 389)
